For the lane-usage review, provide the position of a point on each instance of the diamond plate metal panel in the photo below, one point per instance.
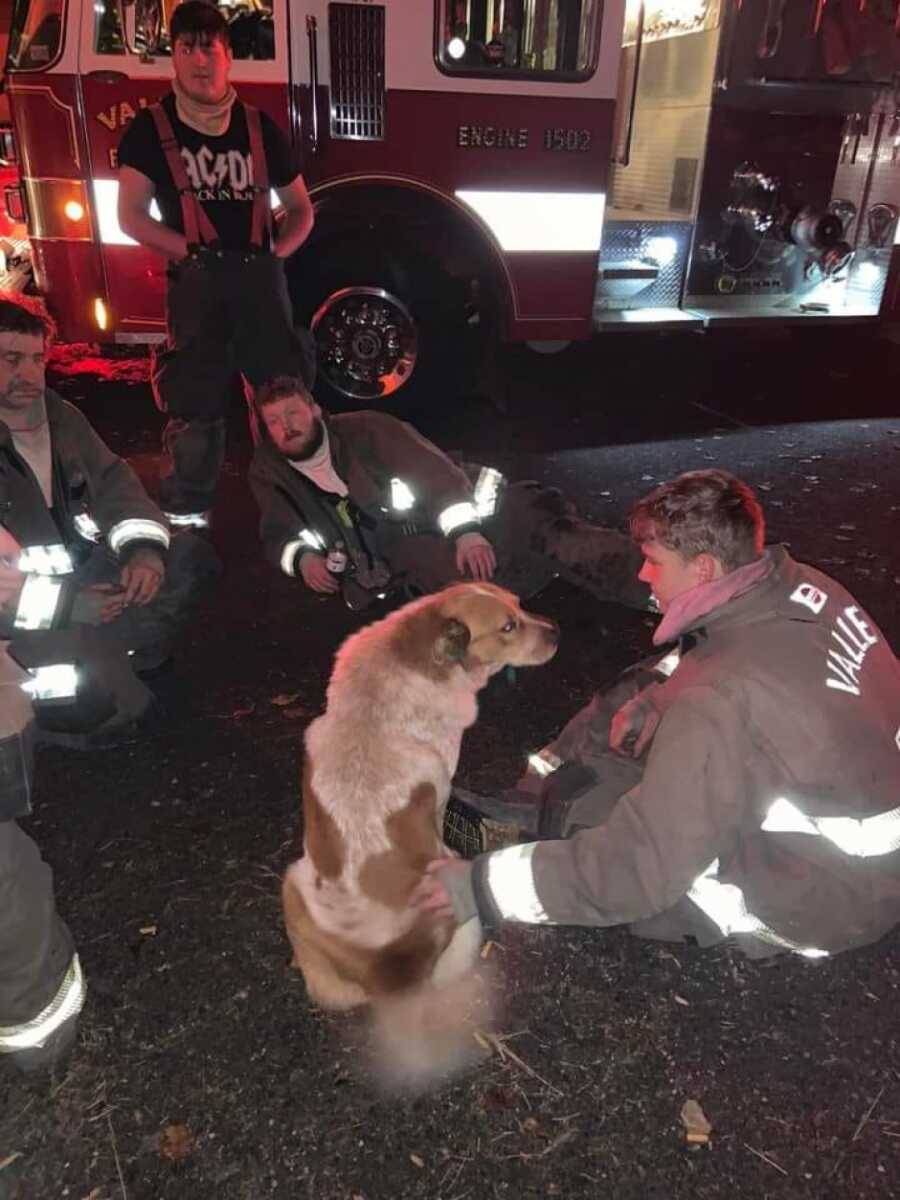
(664, 242)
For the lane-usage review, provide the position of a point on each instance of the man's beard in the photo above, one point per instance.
(23, 408)
(313, 445)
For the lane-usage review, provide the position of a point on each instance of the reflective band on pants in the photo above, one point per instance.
(67, 1003)
(725, 906)
(510, 880)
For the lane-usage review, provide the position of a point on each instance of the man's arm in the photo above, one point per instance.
(136, 194)
(661, 836)
(295, 226)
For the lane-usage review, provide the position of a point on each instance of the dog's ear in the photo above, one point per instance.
(452, 642)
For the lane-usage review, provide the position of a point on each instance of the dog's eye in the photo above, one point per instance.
(509, 627)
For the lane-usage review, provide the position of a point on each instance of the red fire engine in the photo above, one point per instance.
(549, 168)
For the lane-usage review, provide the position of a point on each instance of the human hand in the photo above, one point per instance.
(632, 728)
(430, 893)
(12, 579)
(97, 604)
(317, 576)
(475, 557)
(141, 577)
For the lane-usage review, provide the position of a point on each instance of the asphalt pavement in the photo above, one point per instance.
(203, 1072)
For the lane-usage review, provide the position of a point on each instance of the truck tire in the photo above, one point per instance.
(389, 327)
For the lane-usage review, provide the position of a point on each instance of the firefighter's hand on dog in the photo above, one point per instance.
(633, 726)
(316, 575)
(141, 577)
(446, 890)
(475, 557)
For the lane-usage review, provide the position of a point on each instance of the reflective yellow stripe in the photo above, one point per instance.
(134, 529)
(56, 682)
(486, 487)
(67, 1002)
(510, 881)
(46, 560)
(37, 602)
(402, 497)
(725, 906)
(456, 515)
(864, 837)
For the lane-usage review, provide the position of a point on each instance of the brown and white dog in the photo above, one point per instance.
(377, 775)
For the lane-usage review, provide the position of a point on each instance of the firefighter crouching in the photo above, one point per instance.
(209, 161)
(748, 787)
(361, 504)
(89, 596)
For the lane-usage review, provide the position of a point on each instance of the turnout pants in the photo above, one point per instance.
(536, 535)
(110, 693)
(37, 959)
(225, 312)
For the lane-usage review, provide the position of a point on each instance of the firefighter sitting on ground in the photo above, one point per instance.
(209, 161)
(89, 596)
(361, 503)
(743, 786)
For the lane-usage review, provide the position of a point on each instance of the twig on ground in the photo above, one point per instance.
(526, 1156)
(505, 1052)
(866, 1115)
(112, 1136)
(766, 1159)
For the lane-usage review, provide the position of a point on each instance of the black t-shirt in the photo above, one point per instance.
(220, 169)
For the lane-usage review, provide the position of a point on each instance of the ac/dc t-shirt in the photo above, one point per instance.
(220, 169)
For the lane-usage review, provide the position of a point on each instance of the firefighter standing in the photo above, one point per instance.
(766, 810)
(209, 161)
(78, 620)
(361, 501)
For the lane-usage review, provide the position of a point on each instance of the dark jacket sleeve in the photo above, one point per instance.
(437, 483)
(127, 517)
(661, 836)
(280, 521)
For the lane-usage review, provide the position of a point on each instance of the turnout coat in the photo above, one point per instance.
(771, 792)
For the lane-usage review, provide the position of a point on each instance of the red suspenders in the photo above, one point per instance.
(197, 225)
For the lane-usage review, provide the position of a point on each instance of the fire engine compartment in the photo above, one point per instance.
(754, 165)
(756, 170)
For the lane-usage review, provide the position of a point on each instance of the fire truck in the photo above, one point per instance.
(548, 170)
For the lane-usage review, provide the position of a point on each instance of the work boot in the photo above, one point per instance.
(469, 833)
(511, 807)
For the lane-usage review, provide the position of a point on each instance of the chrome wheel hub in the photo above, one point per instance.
(367, 342)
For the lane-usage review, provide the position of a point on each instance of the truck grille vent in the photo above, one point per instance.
(356, 34)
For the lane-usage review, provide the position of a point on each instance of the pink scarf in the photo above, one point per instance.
(695, 603)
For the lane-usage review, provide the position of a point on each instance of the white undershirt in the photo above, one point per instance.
(320, 470)
(34, 446)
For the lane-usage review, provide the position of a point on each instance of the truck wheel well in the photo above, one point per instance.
(412, 222)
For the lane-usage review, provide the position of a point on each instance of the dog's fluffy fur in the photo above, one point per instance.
(376, 781)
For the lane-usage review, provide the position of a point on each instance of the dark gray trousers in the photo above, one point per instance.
(111, 691)
(225, 313)
(35, 945)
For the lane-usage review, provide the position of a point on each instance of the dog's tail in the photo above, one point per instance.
(425, 1032)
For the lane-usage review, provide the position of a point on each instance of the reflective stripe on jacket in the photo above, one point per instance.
(771, 792)
(392, 473)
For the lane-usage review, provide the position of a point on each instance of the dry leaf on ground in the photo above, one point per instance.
(176, 1142)
(697, 1127)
